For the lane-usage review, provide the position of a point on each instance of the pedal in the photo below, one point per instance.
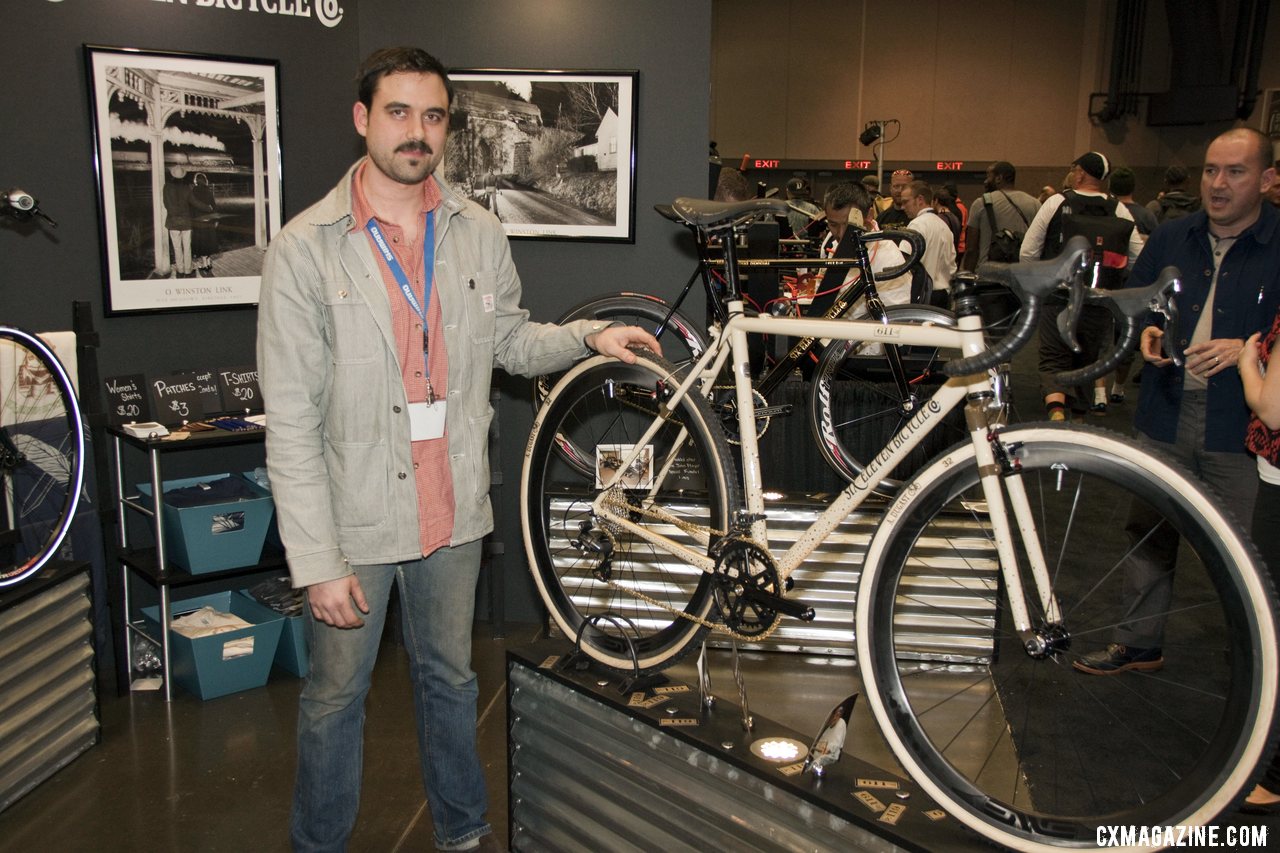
(786, 606)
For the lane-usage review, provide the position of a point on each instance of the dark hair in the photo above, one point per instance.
(1175, 176)
(1004, 170)
(394, 60)
(845, 193)
(732, 186)
(923, 190)
(1122, 181)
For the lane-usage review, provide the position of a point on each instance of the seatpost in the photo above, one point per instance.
(733, 286)
(964, 294)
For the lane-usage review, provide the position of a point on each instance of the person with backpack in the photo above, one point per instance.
(1174, 202)
(1083, 209)
(998, 218)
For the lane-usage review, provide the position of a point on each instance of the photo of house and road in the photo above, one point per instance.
(550, 156)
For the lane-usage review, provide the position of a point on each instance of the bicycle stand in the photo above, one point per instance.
(578, 660)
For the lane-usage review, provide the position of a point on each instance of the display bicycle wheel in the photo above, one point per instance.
(41, 455)
(682, 341)
(621, 593)
(855, 406)
(998, 727)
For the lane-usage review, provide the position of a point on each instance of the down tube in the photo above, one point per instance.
(947, 397)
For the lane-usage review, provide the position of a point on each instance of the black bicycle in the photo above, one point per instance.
(861, 393)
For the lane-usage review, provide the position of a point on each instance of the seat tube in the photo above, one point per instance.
(740, 366)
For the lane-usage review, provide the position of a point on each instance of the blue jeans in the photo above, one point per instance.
(437, 596)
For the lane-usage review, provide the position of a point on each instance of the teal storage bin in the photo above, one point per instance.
(218, 536)
(294, 655)
(197, 665)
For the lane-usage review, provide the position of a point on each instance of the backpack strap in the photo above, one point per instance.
(990, 212)
(1025, 221)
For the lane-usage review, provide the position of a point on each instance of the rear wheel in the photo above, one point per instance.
(682, 341)
(621, 592)
(41, 455)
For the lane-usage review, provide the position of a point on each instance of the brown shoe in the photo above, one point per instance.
(1118, 658)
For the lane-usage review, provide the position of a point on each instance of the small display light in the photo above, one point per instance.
(778, 749)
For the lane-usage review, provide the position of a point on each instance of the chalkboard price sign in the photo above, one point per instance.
(127, 399)
(239, 387)
(177, 399)
(210, 392)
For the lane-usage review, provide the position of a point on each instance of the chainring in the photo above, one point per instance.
(741, 567)
(724, 403)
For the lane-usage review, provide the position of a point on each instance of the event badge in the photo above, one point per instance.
(426, 420)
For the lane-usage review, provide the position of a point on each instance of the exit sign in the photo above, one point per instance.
(857, 164)
(766, 164)
(950, 165)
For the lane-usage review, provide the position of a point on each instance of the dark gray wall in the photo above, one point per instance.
(45, 147)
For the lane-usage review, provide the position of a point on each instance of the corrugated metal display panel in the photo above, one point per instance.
(47, 701)
(949, 594)
(585, 776)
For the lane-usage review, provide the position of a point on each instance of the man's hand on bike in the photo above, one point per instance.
(334, 602)
(615, 341)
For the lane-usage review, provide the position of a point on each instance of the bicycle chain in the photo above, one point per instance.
(616, 501)
(621, 506)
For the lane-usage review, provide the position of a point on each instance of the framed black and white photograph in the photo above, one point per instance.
(551, 153)
(187, 151)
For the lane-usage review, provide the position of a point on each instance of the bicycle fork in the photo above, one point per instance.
(999, 472)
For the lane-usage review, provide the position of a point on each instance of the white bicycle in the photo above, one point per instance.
(660, 537)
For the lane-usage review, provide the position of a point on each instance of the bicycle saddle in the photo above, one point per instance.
(718, 214)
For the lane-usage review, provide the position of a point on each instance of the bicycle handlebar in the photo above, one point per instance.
(1031, 281)
(915, 238)
(1128, 307)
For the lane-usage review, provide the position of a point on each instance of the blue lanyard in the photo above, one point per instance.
(428, 273)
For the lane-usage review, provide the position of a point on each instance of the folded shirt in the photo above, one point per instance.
(221, 490)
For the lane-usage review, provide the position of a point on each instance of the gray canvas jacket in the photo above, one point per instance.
(338, 450)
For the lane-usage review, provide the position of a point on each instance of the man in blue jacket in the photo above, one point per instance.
(1229, 256)
(384, 308)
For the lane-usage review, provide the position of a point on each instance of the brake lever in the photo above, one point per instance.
(1069, 319)
(1070, 316)
(1129, 307)
(1165, 303)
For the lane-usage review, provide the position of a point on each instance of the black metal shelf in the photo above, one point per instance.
(143, 561)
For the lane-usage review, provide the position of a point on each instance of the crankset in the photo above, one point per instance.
(749, 591)
(724, 403)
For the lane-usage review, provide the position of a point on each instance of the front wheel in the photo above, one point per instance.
(999, 727)
(622, 593)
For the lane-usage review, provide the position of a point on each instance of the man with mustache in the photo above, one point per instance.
(383, 309)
